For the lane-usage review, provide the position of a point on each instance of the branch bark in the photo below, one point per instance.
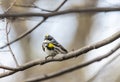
(70, 55)
(46, 15)
(74, 68)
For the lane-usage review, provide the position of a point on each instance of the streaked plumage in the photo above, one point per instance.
(52, 47)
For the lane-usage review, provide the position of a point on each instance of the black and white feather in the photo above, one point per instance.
(57, 49)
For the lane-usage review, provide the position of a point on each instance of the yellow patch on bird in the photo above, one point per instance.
(50, 45)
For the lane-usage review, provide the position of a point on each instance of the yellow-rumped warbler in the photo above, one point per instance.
(52, 47)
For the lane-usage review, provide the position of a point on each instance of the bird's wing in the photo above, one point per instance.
(59, 45)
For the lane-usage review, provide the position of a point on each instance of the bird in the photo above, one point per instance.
(51, 47)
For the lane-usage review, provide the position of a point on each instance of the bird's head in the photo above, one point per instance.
(48, 37)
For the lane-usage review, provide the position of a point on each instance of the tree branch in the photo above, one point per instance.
(7, 68)
(56, 8)
(26, 5)
(46, 15)
(74, 68)
(70, 55)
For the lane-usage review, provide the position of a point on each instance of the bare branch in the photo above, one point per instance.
(46, 15)
(26, 5)
(7, 68)
(7, 32)
(7, 73)
(67, 56)
(56, 8)
(60, 5)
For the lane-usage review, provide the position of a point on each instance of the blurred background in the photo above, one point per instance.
(73, 31)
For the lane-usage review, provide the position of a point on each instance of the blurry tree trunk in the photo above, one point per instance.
(20, 27)
(84, 25)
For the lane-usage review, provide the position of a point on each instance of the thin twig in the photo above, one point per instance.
(74, 68)
(60, 5)
(11, 5)
(65, 57)
(7, 73)
(13, 55)
(23, 35)
(8, 29)
(56, 8)
(25, 5)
